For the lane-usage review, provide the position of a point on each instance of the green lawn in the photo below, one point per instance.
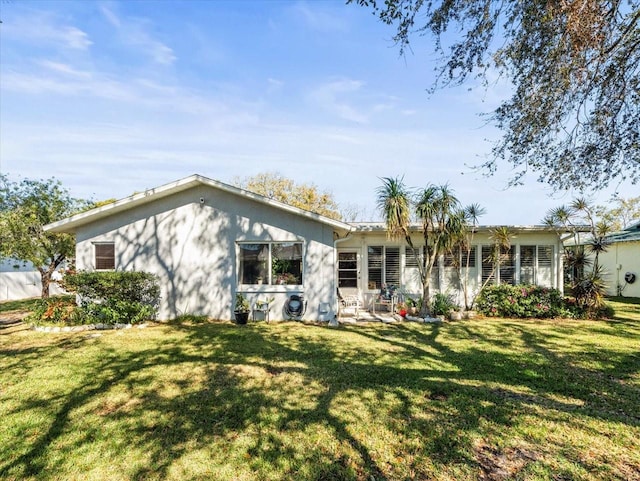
(479, 399)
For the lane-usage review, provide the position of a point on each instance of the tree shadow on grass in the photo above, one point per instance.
(262, 403)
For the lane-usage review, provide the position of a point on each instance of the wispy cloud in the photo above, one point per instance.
(64, 69)
(330, 97)
(318, 19)
(45, 29)
(135, 33)
(274, 85)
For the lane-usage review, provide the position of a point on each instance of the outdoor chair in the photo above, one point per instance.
(387, 299)
(262, 307)
(349, 302)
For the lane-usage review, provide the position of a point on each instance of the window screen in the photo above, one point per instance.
(105, 256)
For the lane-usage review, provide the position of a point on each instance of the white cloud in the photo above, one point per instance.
(134, 32)
(329, 97)
(320, 20)
(64, 69)
(46, 29)
(274, 85)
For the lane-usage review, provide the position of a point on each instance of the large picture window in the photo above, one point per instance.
(105, 256)
(274, 263)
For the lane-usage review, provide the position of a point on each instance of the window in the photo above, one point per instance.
(286, 263)
(254, 259)
(507, 266)
(536, 265)
(374, 264)
(460, 257)
(487, 265)
(527, 264)
(392, 266)
(270, 263)
(507, 262)
(469, 257)
(411, 256)
(450, 259)
(105, 256)
(545, 266)
(347, 269)
(383, 266)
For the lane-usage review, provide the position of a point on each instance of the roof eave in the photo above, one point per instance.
(71, 224)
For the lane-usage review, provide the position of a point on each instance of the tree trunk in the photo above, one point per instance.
(426, 296)
(45, 277)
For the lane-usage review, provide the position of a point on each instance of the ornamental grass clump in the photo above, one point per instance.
(523, 301)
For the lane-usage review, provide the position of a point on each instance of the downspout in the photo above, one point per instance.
(560, 262)
(335, 269)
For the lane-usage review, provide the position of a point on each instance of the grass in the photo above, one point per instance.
(479, 399)
(25, 305)
(22, 305)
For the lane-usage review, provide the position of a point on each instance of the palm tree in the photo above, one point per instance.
(439, 212)
(587, 276)
(471, 214)
(394, 201)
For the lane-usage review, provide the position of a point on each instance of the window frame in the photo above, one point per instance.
(102, 258)
(269, 269)
(385, 264)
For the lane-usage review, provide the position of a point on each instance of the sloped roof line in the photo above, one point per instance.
(69, 224)
(380, 226)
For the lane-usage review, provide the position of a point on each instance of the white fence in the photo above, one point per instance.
(22, 282)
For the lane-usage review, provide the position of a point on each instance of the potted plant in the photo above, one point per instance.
(412, 306)
(401, 309)
(242, 308)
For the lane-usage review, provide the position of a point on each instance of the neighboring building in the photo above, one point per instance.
(207, 240)
(19, 280)
(621, 259)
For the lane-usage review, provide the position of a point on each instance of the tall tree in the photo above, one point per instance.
(621, 213)
(574, 112)
(462, 249)
(441, 220)
(304, 196)
(25, 207)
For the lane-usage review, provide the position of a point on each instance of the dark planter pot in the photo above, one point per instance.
(241, 317)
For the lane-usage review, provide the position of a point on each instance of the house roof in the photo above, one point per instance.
(71, 224)
(629, 234)
(381, 227)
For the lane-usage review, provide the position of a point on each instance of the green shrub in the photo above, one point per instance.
(524, 301)
(55, 310)
(115, 297)
(442, 304)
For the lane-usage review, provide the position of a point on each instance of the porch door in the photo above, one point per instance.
(348, 271)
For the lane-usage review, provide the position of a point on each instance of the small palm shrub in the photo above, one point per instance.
(524, 301)
(442, 304)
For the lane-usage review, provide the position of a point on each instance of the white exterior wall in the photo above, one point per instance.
(620, 258)
(19, 281)
(410, 281)
(192, 247)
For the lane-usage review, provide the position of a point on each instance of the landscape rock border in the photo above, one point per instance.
(87, 327)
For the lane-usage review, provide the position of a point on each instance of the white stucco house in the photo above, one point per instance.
(621, 262)
(207, 240)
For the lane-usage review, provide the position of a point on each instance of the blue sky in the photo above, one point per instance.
(117, 97)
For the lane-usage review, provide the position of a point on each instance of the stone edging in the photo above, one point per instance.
(87, 327)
